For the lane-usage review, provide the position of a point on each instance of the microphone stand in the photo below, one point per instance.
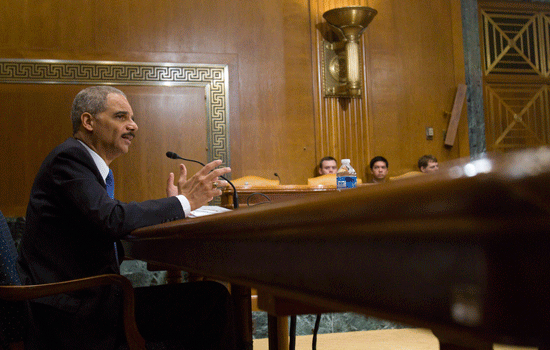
(173, 155)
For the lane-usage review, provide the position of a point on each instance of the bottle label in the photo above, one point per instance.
(343, 182)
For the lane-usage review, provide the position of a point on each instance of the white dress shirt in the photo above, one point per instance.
(104, 171)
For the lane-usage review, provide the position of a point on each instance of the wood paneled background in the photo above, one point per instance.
(279, 120)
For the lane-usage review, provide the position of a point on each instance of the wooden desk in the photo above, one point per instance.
(466, 256)
(253, 195)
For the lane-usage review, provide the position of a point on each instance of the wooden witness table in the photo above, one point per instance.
(254, 195)
(464, 255)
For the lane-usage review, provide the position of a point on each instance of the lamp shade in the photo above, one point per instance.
(351, 20)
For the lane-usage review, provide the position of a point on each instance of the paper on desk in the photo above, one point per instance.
(207, 210)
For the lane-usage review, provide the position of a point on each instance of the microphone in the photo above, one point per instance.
(173, 155)
(278, 177)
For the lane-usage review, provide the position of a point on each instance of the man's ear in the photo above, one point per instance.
(87, 121)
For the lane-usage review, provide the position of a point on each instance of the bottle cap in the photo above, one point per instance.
(345, 161)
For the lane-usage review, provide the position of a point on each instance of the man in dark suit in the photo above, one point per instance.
(74, 228)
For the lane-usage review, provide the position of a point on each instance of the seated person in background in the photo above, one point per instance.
(428, 164)
(74, 227)
(379, 169)
(328, 165)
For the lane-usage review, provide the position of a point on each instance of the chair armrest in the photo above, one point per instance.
(135, 340)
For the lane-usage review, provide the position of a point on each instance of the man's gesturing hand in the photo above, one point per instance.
(200, 188)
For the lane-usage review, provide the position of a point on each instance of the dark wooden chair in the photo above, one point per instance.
(13, 296)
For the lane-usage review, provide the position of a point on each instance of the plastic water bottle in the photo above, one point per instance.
(346, 177)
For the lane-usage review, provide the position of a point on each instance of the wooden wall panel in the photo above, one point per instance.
(34, 119)
(342, 126)
(182, 129)
(277, 127)
(278, 119)
(410, 80)
(265, 44)
(515, 47)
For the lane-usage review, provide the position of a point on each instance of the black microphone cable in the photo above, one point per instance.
(257, 194)
(315, 331)
(292, 333)
(173, 155)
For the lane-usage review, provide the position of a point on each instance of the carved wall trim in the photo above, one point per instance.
(212, 77)
(515, 48)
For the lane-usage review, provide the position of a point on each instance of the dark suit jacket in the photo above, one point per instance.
(71, 226)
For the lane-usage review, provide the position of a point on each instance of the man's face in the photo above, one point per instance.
(431, 168)
(379, 170)
(114, 128)
(328, 167)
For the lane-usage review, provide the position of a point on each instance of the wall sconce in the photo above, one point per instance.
(341, 64)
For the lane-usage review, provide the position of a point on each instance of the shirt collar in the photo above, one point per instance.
(99, 162)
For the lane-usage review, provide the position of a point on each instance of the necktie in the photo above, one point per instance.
(110, 182)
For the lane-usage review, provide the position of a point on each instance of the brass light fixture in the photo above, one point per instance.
(341, 64)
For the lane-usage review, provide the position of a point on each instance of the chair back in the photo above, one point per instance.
(255, 181)
(406, 175)
(8, 256)
(12, 313)
(327, 180)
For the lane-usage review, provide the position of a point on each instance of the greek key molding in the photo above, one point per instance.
(212, 77)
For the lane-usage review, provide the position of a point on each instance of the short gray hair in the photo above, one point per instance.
(92, 100)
